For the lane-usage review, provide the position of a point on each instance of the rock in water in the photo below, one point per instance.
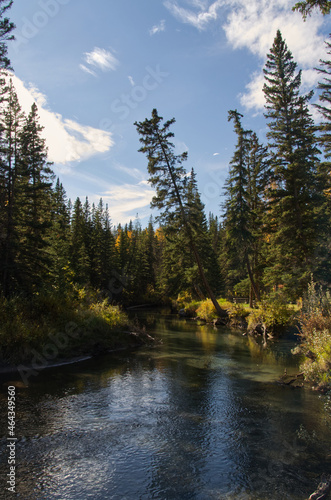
(322, 490)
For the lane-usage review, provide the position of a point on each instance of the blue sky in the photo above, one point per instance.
(94, 68)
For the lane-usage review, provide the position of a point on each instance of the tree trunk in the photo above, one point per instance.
(221, 312)
(251, 297)
(251, 277)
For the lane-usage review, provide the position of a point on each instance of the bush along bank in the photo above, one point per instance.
(49, 328)
(315, 335)
(271, 316)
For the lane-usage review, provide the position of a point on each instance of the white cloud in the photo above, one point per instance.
(158, 28)
(132, 172)
(131, 80)
(67, 140)
(127, 200)
(180, 146)
(253, 98)
(101, 59)
(87, 70)
(253, 25)
(216, 154)
(198, 19)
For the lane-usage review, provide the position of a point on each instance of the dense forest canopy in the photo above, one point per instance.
(273, 231)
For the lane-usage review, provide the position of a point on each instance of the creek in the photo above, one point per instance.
(198, 417)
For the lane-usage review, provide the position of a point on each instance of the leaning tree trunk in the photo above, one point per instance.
(221, 312)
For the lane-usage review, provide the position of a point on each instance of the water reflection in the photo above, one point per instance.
(198, 417)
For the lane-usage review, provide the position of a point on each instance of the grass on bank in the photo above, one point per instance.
(75, 324)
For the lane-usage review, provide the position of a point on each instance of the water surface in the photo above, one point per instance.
(198, 417)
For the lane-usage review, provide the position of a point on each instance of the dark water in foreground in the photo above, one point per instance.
(198, 417)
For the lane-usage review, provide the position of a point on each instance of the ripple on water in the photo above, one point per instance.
(197, 418)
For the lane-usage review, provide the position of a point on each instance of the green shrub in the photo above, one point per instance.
(206, 311)
(29, 324)
(271, 314)
(315, 333)
(237, 310)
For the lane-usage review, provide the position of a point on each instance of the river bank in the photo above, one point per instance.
(198, 417)
(274, 316)
(52, 329)
(42, 361)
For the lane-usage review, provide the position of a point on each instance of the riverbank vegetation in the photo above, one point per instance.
(52, 327)
(315, 333)
(272, 235)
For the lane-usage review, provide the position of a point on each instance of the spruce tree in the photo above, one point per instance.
(167, 175)
(59, 239)
(107, 250)
(11, 188)
(306, 7)
(325, 107)
(295, 201)
(242, 192)
(35, 220)
(6, 27)
(79, 260)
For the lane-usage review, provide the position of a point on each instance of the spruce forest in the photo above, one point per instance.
(185, 354)
(272, 233)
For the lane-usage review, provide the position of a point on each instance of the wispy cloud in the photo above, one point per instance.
(131, 171)
(253, 25)
(126, 200)
(131, 80)
(200, 17)
(101, 59)
(158, 28)
(67, 140)
(87, 70)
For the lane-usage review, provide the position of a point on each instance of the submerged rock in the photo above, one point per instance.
(295, 380)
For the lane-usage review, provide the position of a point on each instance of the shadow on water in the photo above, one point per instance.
(198, 417)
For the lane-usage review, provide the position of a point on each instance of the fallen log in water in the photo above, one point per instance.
(322, 490)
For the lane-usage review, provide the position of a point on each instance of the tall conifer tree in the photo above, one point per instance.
(167, 174)
(11, 188)
(295, 201)
(325, 103)
(37, 176)
(6, 28)
(242, 199)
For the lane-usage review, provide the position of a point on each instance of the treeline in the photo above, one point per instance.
(277, 208)
(49, 244)
(275, 227)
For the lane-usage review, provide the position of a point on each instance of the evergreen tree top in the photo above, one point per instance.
(6, 27)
